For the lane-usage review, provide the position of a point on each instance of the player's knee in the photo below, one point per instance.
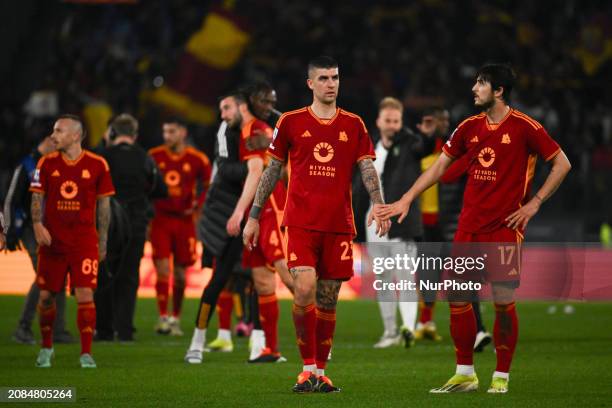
(304, 292)
(83, 295)
(46, 299)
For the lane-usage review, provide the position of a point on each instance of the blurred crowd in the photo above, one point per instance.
(99, 60)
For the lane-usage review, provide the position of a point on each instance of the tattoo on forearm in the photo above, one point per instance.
(103, 218)
(327, 293)
(36, 207)
(267, 182)
(370, 180)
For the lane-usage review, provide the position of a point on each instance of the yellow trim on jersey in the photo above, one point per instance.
(284, 115)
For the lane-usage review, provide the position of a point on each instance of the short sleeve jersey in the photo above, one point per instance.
(276, 201)
(181, 173)
(500, 162)
(321, 156)
(71, 189)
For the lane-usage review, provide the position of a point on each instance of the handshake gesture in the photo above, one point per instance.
(384, 212)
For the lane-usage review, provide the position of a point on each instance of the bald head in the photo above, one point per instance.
(67, 131)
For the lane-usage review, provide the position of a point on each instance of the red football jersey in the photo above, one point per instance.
(279, 193)
(248, 131)
(181, 173)
(71, 190)
(500, 163)
(321, 156)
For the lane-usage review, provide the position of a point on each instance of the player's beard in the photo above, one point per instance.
(486, 104)
(236, 122)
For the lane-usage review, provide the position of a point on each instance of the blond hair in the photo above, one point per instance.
(390, 102)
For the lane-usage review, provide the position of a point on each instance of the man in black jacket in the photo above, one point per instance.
(136, 179)
(399, 151)
(221, 200)
(19, 225)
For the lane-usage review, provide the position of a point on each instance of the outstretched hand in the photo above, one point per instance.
(386, 211)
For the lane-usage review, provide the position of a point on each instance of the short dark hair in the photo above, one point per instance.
(240, 95)
(499, 76)
(76, 119)
(256, 87)
(322, 61)
(175, 120)
(125, 124)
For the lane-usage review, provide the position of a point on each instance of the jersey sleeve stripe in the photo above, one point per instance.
(553, 155)
(284, 115)
(366, 156)
(531, 122)
(110, 193)
(446, 152)
(527, 117)
(470, 119)
(535, 124)
(36, 190)
(99, 158)
(251, 156)
(275, 156)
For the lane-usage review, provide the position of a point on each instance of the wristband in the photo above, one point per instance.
(255, 211)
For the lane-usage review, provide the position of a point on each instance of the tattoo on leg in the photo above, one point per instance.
(327, 293)
(295, 271)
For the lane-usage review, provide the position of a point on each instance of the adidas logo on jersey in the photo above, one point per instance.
(85, 174)
(505, 139)
(55, 174)
(343, 136)
(306, 134)
(513, 272)
(474, 139)
(293, 257)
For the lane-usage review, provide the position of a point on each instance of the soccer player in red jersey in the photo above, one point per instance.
(71, 189)
(501, 145)
(321, 144)
(173, 227)
(269, 255)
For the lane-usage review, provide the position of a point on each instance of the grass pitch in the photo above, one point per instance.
(561, 360)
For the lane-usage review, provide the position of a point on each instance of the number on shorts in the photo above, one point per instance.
(89, 266)
(345, 253)
(506, 249)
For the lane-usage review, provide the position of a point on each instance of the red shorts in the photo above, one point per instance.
(330, 253)
(500, 249)
(174, 235)
(53, 268)
(269, 247)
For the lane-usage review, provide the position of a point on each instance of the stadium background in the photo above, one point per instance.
(152, 58)
(157, 58)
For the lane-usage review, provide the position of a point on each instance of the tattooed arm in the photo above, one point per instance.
(40, 232)
(370, 180)
(266, 184)
(103, 213)
(372, 185)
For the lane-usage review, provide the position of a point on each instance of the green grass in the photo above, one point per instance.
(561, 360)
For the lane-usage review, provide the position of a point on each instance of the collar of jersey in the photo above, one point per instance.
(75, 161)
(324, 121)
